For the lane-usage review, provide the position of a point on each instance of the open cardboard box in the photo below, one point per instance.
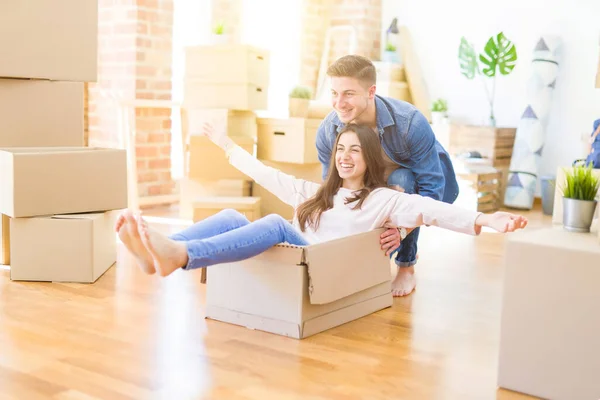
(300, 291)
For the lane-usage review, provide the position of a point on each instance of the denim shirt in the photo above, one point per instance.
(407, 139)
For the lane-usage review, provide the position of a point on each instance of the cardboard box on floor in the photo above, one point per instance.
(205, 207)
(288, 140)
(4, 239)
(301, 291)
(59, 180)
(36, 113)
(63, 248)
(190, 190)
(549, 346)
(56, 40)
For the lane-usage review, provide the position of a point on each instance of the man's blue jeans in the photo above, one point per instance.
(228, 237)
(406, 255)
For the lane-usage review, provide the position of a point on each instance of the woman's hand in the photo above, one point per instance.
(218, 137)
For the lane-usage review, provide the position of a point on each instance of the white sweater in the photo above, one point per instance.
(403, 210)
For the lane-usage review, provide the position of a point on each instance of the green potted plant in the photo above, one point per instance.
(439, 111)
(390, 54)
(299, 101)
(499, 57)
(580, 191)
(219, 35)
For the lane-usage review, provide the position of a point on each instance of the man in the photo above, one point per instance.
(414, 159)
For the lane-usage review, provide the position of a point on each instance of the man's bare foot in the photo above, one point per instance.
(405, 282)
(126, 226)
(168, 255)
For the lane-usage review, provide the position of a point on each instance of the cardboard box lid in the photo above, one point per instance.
(332, 269)
(557, 237)
(303, 123)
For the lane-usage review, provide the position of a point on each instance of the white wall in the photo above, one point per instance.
(437, 25)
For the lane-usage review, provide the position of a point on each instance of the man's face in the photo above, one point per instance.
(350, 98)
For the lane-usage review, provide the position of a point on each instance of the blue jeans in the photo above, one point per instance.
(228, 237)
(406, 255)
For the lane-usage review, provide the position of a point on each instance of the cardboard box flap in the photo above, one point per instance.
(342, 267)
(284, 254)
(79, 216)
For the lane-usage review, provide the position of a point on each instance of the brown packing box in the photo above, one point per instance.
(204, 207)
(44, 39)
(191, 189)
(208, 162)
(40, 113)
(63, 248)
(59, 180)
(395, 90)
(389, 71)
(234, 96)
(299, 292)
(232, 122)
(269, 203)
(290, 140)
(228, 64)
(549, 345)
(4, 239)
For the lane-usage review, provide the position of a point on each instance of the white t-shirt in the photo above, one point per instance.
(403, 210)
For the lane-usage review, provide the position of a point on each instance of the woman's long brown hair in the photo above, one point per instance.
(310, 211)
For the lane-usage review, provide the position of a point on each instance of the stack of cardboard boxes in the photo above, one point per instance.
(391, 81)
(58, 199)
(223, 85)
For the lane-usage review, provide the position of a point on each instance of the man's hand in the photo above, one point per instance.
(390, 239)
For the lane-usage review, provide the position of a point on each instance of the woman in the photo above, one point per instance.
(353, 199)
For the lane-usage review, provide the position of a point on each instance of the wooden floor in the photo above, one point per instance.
(132, 336)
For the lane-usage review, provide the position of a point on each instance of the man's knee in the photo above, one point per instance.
(404, 178)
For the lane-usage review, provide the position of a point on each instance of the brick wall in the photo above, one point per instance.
(134, 62)
(318, 15)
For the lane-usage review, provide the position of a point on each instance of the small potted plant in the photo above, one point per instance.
(219, 36)
(579, 198)
(439, 111)
(390, 54)
(299, 101)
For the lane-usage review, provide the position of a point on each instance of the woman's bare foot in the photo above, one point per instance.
(168, 255)
(405, 282)
(126, 226)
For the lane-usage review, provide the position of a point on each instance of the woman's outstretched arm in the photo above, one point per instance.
(287, 188)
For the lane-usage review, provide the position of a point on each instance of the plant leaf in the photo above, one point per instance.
(467, 59)
(501, 54)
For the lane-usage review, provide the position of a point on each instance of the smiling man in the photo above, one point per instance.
(414, 159)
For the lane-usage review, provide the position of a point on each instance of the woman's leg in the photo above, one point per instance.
(221, 222)
(234, 245)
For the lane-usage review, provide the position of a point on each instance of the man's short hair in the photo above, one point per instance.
(354, 66)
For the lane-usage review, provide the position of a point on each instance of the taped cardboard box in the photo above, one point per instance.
(190, 190)
(63, 248)
(208, 162)
(301, 291)
(56, 40)
(233, 122)
(4, 239)
(205, 207)
(58, 180)
(228, 64)
(549, 346)
(234, 96)
(288, 140)
(36, 113)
